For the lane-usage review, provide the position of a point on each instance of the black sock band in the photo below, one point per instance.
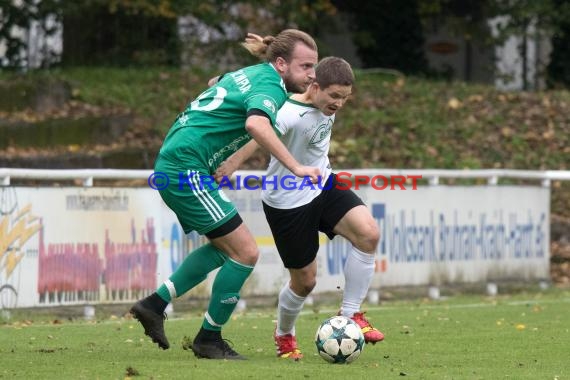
(208, 335)
(155, 303)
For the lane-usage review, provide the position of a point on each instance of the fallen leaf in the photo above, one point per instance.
(506, 131)
(453, 103)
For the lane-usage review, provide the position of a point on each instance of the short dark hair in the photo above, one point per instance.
(334, 70)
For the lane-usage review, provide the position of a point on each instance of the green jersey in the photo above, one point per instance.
(212, 127)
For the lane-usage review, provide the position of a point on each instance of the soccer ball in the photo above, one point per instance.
(339, 340)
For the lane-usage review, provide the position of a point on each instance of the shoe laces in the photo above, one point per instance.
(226, 346)
(286, 343)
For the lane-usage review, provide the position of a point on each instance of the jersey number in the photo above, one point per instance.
(217, 100)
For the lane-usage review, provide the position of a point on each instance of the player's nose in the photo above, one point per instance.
(312, 75)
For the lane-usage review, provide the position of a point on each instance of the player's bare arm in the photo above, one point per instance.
(260, 129)
(232, 163)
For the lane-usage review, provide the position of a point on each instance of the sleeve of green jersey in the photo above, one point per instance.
(267, 98)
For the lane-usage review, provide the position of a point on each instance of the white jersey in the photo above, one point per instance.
(306, 132)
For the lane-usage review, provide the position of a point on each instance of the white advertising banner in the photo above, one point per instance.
(78, 245)
(454, 234)
(90, 245)
(430, 236)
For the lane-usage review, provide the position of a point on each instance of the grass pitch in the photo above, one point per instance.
(526, 336)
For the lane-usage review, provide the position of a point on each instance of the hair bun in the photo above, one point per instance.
(267, 40)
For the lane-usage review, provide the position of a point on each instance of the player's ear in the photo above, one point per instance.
(281, 64)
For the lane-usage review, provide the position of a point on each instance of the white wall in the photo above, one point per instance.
(509, 59)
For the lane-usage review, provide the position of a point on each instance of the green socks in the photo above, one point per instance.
(193, 270)
(225, 294)
(226, 287)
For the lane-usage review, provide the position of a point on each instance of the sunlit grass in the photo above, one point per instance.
(464, 337)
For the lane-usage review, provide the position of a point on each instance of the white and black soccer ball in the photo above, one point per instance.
(339, 340)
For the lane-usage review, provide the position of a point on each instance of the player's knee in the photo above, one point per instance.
(304, 286)
(246, 255)
(251, 255)
(308, 286)
(368, 239)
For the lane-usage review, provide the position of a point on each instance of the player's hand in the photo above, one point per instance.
(226, 169)
(308, 171)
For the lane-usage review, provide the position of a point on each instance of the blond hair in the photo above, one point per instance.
(282, 45)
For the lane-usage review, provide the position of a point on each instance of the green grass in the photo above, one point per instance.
(526, 336)
(389, 122)
(157, 93)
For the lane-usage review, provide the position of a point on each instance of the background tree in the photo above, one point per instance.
(16, 19)
(119, 33)
(142, 32)
(463, 19)
(13, 16)
(387, 33)
(527, 20)
(558, 70)
(212, 27)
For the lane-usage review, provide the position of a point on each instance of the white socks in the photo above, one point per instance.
(358, 272)
(288, 309)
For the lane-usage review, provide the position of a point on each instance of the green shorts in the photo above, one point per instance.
(195, 199)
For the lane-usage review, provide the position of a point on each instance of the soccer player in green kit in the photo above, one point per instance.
(242, 105)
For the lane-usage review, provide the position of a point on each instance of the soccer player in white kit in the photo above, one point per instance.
(297, 211)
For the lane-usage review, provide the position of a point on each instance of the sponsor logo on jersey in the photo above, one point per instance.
(241, 80)
(227, 150)
(183, 119)
(322, 132)
(269, 105)
(301, 114)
